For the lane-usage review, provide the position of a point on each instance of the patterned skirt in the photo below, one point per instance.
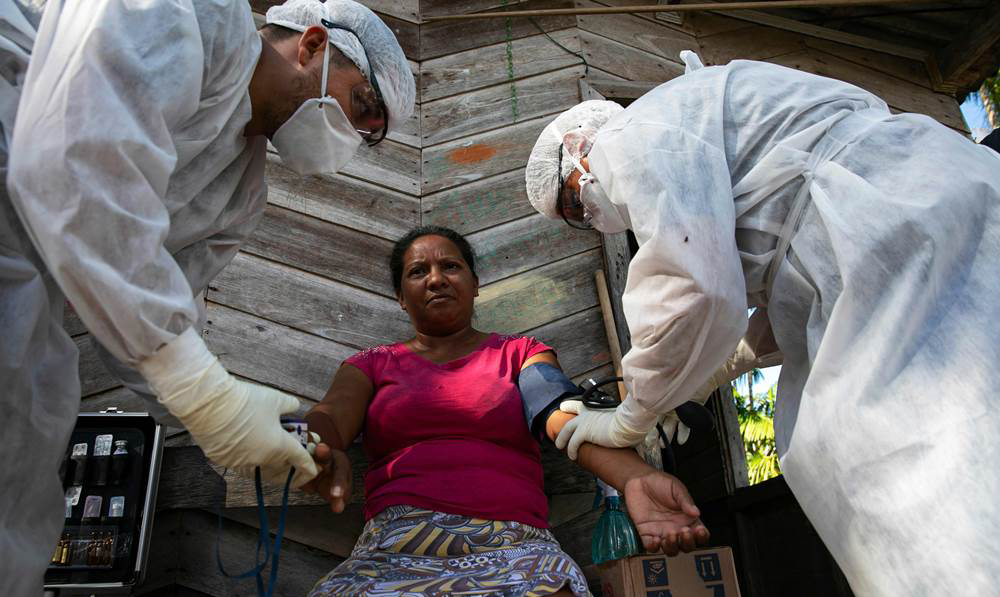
(406, 551)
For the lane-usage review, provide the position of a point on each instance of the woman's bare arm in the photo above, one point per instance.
(659, 504)
(338, 418)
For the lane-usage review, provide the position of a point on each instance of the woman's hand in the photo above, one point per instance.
(333, 483)
(664, 513)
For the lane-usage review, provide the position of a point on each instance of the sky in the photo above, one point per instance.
(975, 116)
(761, 387)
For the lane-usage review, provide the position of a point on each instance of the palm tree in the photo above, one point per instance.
(751, 376)
(989, 93)
(756, 417)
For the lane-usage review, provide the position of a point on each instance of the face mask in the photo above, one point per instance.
(318, 138)
(604, 215)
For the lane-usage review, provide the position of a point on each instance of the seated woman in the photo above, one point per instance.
(454, 499)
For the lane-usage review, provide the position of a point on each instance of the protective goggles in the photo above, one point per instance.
(367, 104)
(568, 203)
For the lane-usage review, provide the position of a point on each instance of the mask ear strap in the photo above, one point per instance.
(572, 157)
(326, 66)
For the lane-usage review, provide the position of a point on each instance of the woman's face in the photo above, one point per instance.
(438, 289)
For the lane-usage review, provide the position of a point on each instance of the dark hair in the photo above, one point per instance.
(399, 249)
(277, 33)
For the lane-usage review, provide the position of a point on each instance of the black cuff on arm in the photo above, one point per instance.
(543, 387)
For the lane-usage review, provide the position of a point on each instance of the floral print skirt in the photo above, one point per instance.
(406, 551)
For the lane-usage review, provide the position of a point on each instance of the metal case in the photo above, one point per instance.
(126, 537)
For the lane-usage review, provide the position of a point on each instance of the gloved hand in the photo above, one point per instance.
(672, 426)
(624, 426)
(235, 423)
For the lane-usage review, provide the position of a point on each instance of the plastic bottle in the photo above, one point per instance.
(614, 536)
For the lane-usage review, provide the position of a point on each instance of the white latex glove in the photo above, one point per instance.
(672, 426)
(614, 428)
(235, 423)
(651, 445)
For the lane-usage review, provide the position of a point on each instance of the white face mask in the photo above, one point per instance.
(318, 138)
(604, 215)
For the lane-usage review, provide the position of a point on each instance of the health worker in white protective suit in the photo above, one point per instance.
(872, 239)
(134, 145)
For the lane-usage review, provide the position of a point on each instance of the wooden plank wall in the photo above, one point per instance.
(311, 286)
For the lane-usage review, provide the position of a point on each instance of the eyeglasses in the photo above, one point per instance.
(568, 200)
(367, 103)
(367, 107)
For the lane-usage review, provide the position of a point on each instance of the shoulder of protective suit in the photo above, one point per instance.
(230, 42)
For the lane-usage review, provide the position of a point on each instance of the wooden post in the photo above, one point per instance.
(609, 328)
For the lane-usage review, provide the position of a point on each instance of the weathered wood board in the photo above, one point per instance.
(437, 8)
(94, 376)
(391, 164)
(440, 38)
(408, 10)
(71, 321)
(272, 354)
(343, 200)
(644, 34)
(534, 298)
(485, 66)
(186, 554)
(578, 341)
(748, 43)
(524, 244)
(473, 158)
(480, 204)
(310, 303)
(625, 61)
(322, 248)
(493, 107)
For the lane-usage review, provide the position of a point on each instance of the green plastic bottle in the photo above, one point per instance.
(615, 536)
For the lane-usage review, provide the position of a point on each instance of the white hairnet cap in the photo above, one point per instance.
(577, 128)
(395, 80)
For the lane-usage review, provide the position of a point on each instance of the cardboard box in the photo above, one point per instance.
(706, 573)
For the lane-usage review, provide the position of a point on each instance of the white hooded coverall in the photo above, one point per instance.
(873, 240)
(159, 90)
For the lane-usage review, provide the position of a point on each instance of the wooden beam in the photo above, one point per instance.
(668, 8)
(965, 50)
(622, 89)
(850, 39)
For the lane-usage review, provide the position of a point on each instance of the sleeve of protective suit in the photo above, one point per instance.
(685, 297)
(756, 350)
(92, 157)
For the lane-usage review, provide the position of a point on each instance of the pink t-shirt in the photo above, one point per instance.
(452, 437)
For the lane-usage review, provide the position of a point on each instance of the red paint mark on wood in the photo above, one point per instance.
(471, 154)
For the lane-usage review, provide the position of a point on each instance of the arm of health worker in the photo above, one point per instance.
(685, 296)
(91, 160)
(658, 503)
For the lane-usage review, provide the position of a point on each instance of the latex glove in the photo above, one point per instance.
(334, 482)
(664, 513)
(235, 423)
(624, 426)
(672, 426)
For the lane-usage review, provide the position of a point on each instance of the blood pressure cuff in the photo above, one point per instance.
(543, 387)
